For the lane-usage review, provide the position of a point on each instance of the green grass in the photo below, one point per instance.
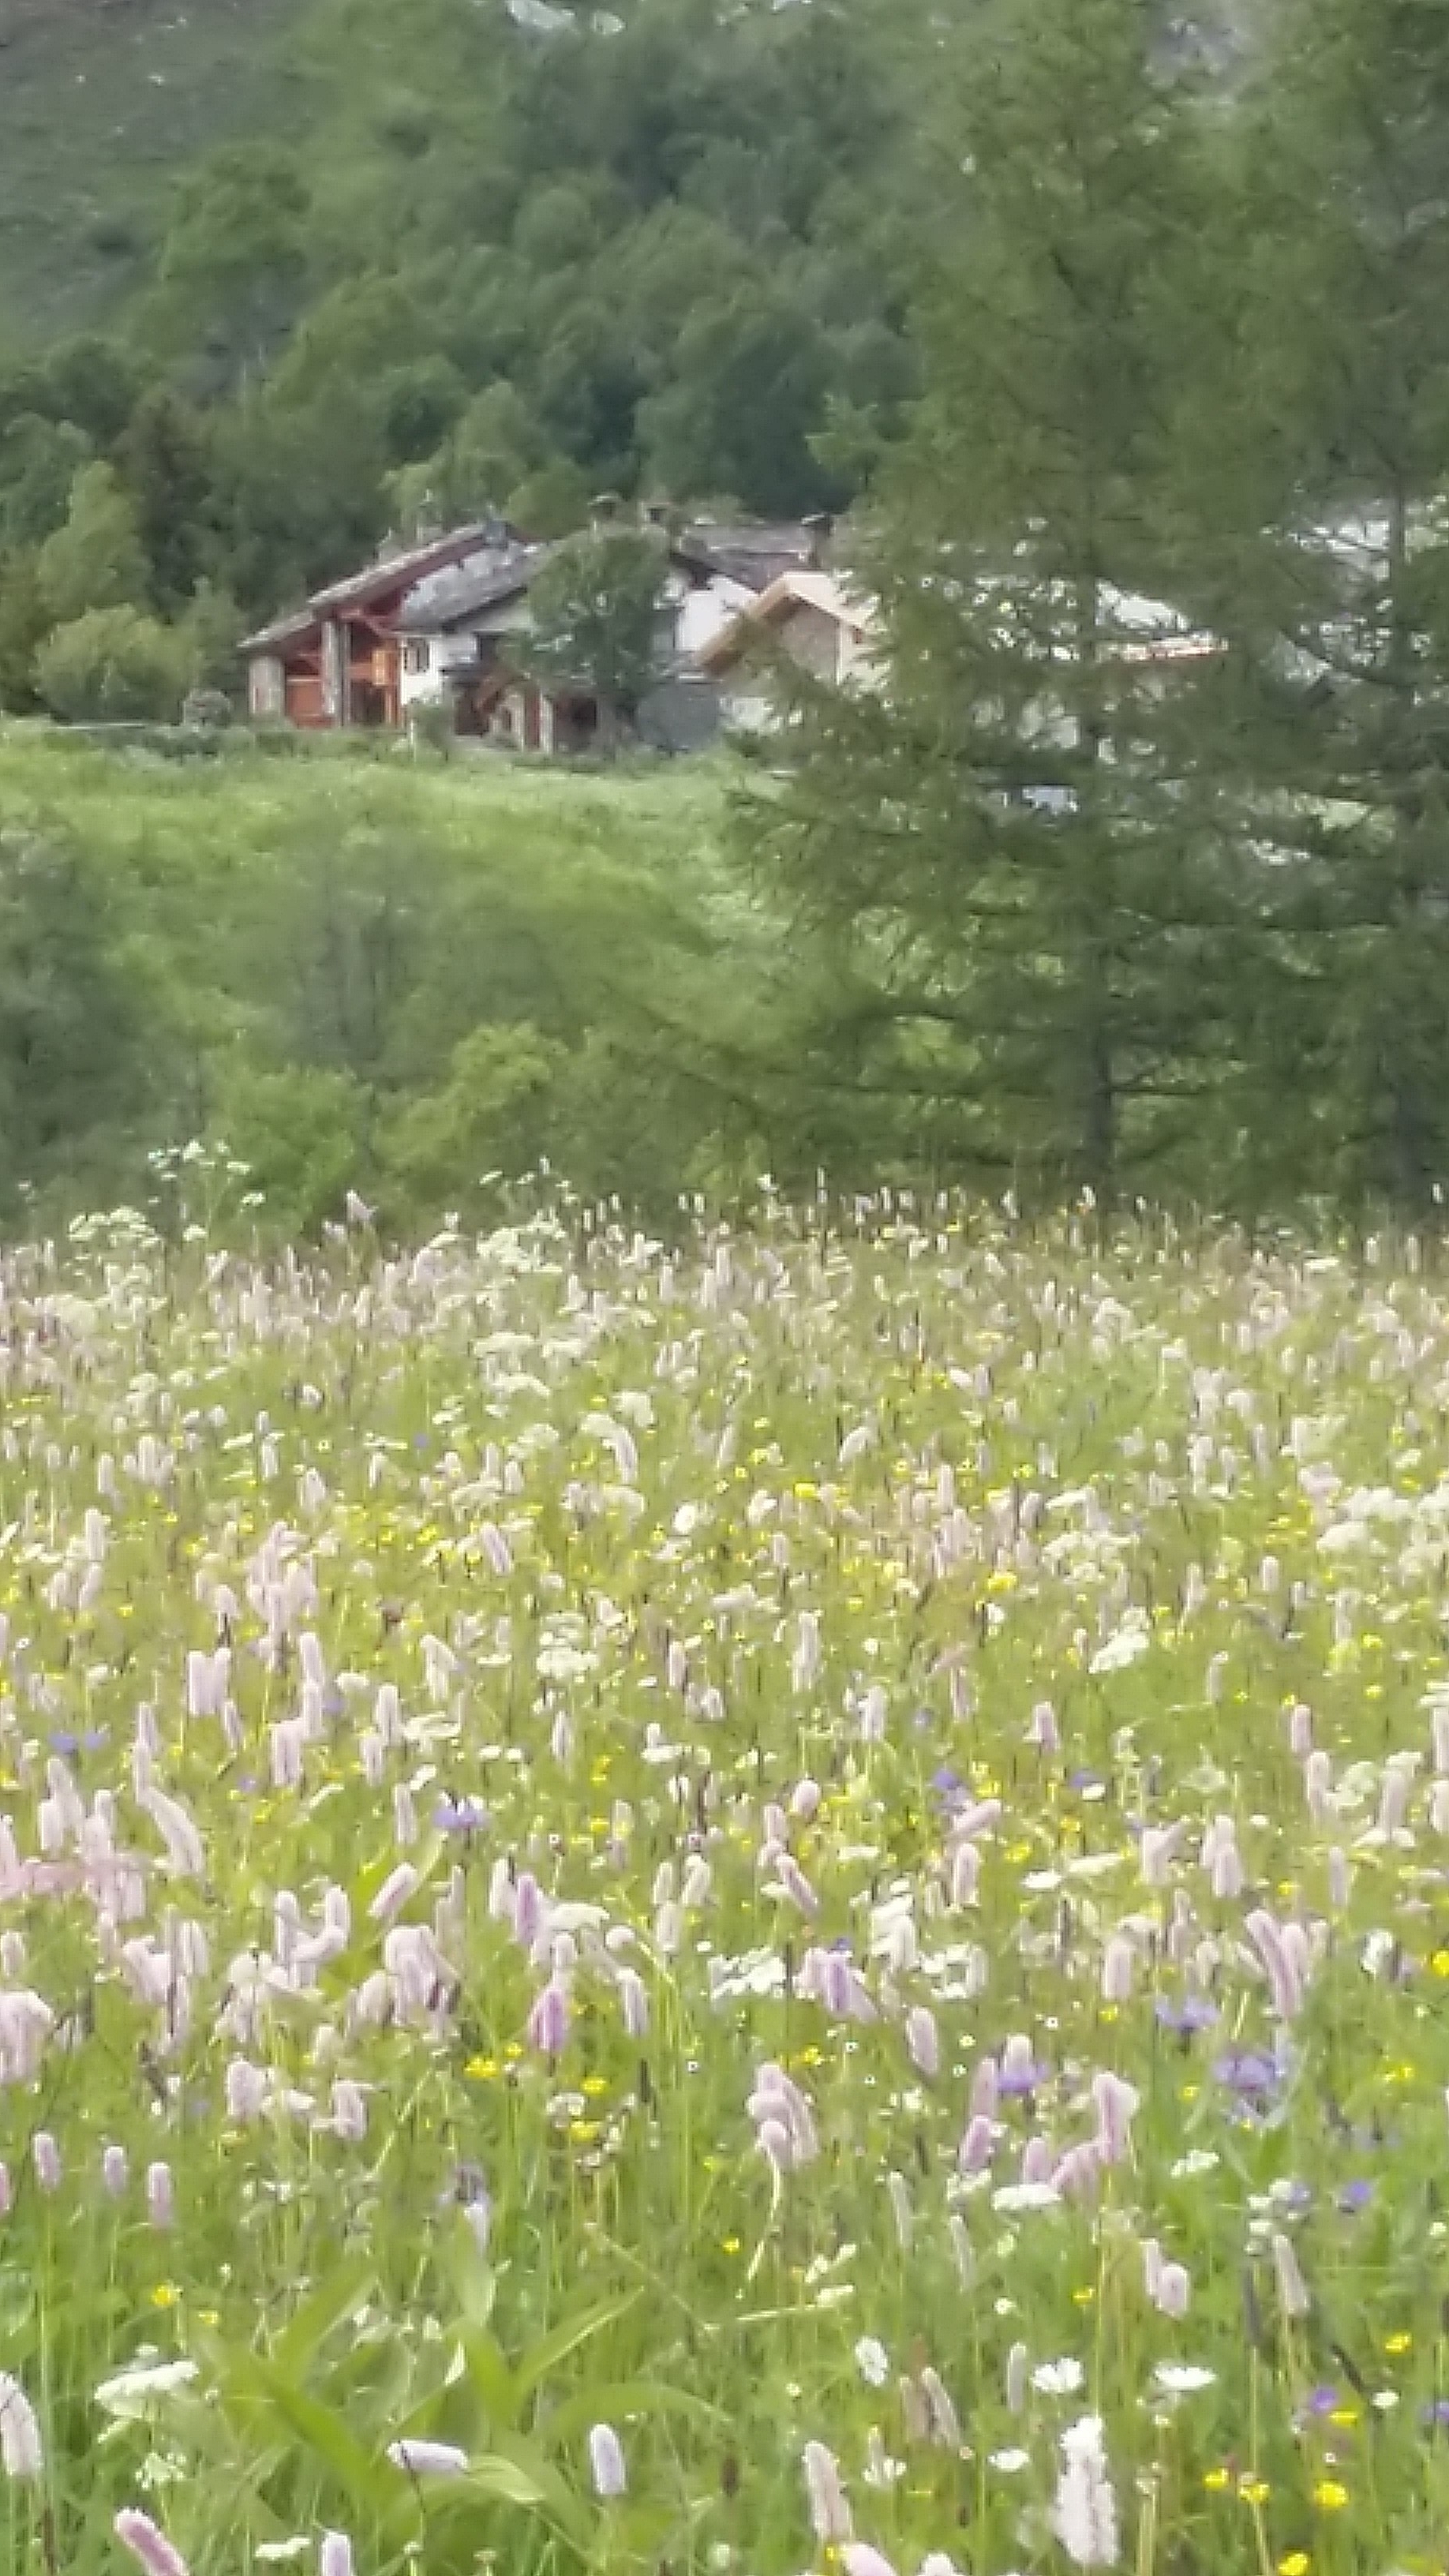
(333, 916)
(134, 801)
(870, 1654)
(100, 107)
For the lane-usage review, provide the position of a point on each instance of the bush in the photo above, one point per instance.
(208, 710)
(491, 1114)
(301, 1131)
(432, 722)
(112, 666)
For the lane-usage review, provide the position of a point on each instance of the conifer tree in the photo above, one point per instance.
(1001, 821)
(1331, 585)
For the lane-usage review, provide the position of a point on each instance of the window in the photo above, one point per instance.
(415, 657)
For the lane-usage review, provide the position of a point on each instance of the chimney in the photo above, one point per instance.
(819, 529)
(604, 509)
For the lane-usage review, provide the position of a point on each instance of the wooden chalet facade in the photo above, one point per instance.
(338, 661)
(431, 625)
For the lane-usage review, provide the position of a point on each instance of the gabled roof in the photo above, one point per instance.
(798, 589)
(437, 584)
(400, 571)
(753, 555)
(283, 630)
(437, 605)
(451, 599)
(409, 569)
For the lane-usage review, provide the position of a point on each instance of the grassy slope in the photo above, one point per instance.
(201, 839)
(99, 106)
(122, 800)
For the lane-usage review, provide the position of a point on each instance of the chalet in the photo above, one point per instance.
(436, 625)
(337, 661)
(457, 628)
(804, 614)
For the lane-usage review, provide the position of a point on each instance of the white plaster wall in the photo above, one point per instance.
(450, 657)
(702, 613)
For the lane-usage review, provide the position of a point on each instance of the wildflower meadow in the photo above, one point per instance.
(770, 1902)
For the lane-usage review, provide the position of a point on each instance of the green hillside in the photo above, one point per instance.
(275, 280)
(99, 107)
(408, 970)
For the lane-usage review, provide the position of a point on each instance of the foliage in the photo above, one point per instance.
(41, 460)
(459, 266)
(96, 559)
(1330, 581)
(404, 975)
(593, 616)
(112, 666)
(78, 1062)
(24, 622)
(1132, 850)
(1126, 869)
(302, 1135)
(1006, 840)
(490, 1115)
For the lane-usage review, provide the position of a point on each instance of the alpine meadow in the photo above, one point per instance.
(724, 1347)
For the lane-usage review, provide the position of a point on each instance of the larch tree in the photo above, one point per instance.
(999, 825)
(1332, 592)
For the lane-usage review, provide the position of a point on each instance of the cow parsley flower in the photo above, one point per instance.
(1058, 2378)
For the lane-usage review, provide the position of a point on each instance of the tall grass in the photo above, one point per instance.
(832, 1839)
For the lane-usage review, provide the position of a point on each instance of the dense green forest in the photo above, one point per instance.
(1122, 343)
(482, 265)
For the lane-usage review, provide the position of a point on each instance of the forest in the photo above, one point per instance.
(1091, 326)
(492, 269)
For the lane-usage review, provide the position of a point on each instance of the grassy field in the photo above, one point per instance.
(99, 107)
(132, 801)
(777, 1905)
(302, 950)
